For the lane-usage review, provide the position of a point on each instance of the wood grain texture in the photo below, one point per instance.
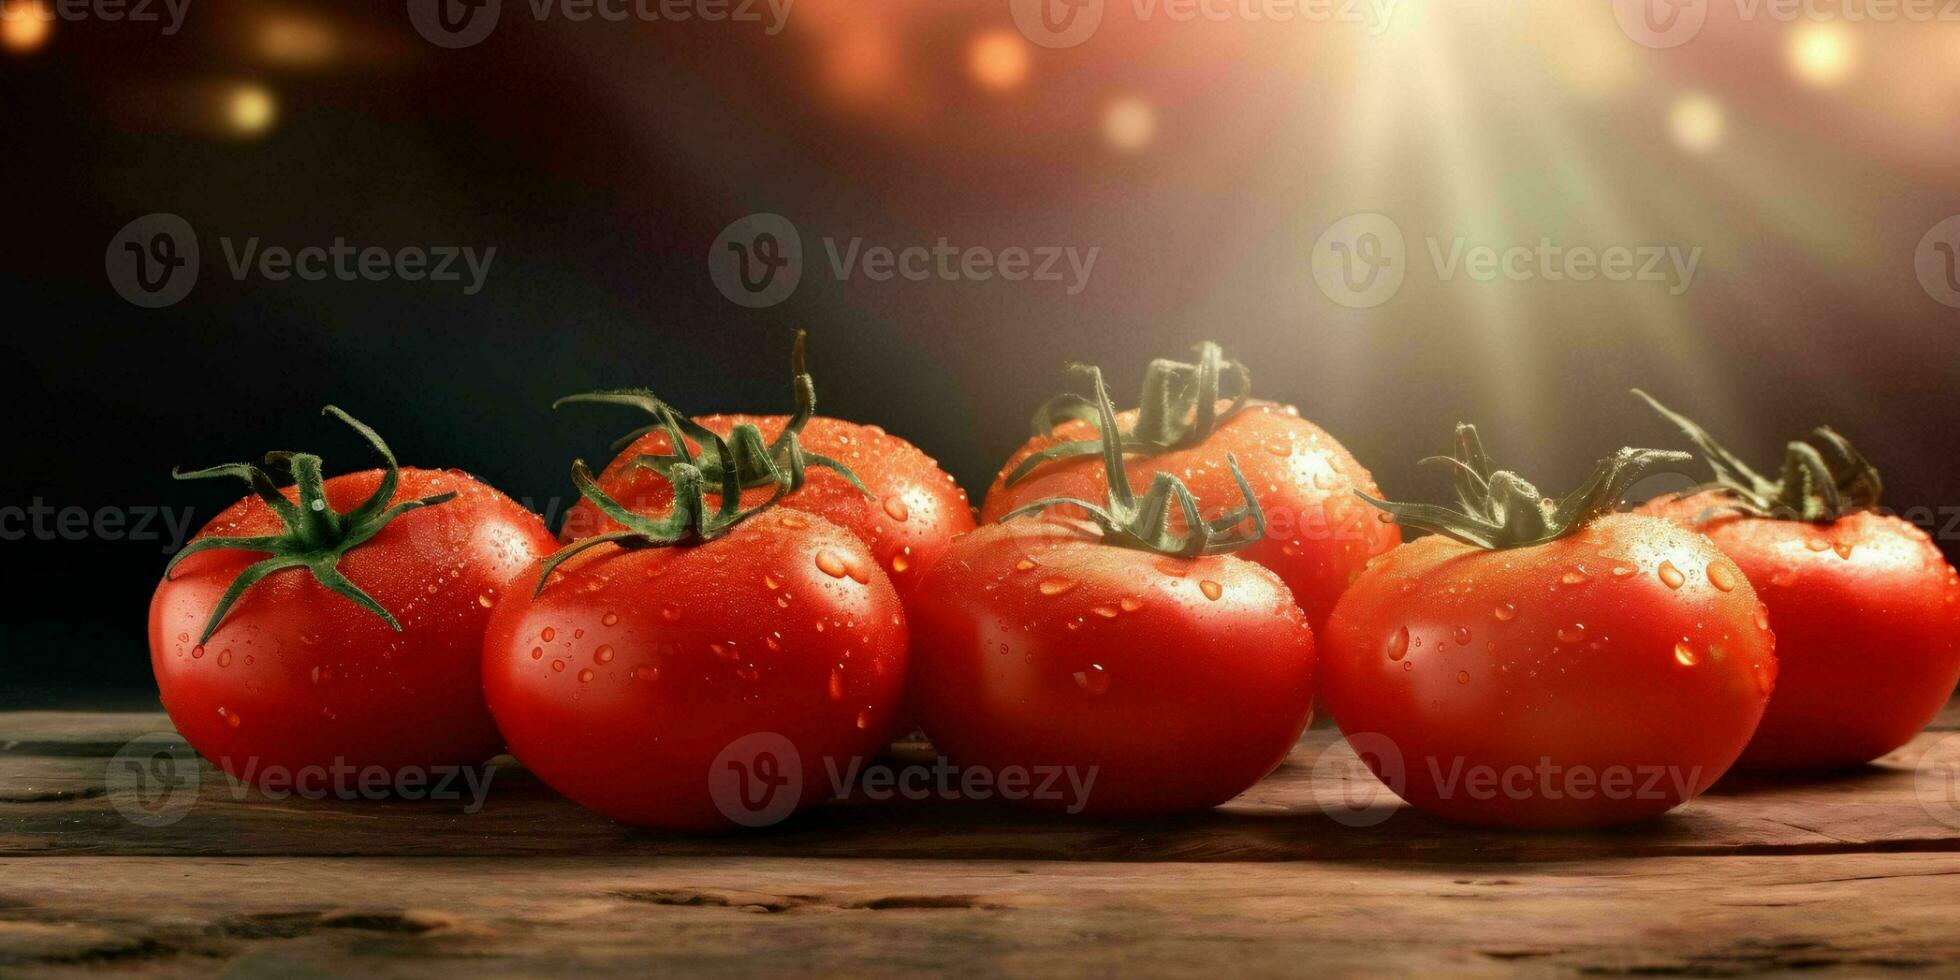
(54, 800)
(395, 917)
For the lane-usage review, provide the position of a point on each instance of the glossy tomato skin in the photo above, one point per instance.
(914, 510)
(1624, 667)
(1176, 683)
(624, 680)
(1867, 619)
(299, 676)
(1319, 536)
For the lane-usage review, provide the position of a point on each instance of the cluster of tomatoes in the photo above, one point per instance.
(1528, 662)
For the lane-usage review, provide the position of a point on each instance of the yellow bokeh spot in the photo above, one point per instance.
(1696, 122)
(1129, 124)
(25, 25)
(1821, 54)
(998, 60)
(249, 109)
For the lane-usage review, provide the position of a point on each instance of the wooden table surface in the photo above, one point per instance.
(1316, 869)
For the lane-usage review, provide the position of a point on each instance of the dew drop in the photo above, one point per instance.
(1174, 568)
(725, 651)
(548, 635)
(1024, 564)
(537, 653)
(609, 619)
(603, 655)
(1280, 447)
(1817, 544)
(231, 717)
(1463, 636)
(1463, 677)
(864, 718)
(1684, 654)
(1131, 603)
(197, 652)
(895, 506)
(830, 564)
(224, 658)
(1095, 680)
(1762, 616)
(1211, 589)
(1843, 549)
(647, 673)
(670, 614)
(1621, 571)
(900, 563)
(1572, 634)
(793, 521)
(585, 676)
(557, 666)
(1398, 645)
(1671, 575)
(486, 600)
(1575, 576)
(1722, 576)
(837, 683)
(1055, 585)
(1505, 612)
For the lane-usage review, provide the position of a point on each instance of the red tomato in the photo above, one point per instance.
(913, 511)
(1867, 625)
(1572, 668)
(1866, 610)
(702, 685)
(1159, 683)
(297, 675)
(1123, 679)
(1319, 536)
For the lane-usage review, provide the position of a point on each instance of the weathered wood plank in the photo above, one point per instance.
(1708, 916)
(54, 801)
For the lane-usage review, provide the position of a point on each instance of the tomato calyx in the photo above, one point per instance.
(1144, 523)
(1498, 509)
(754, 464)
(315, 535)
(1178, 410)
(1824, 477)
(691, 519)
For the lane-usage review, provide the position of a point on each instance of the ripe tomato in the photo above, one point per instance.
(700, 672)
(1319, 537)
(906, 511)
(1135, 679)
(306, 668)
(1866, 610)
(1562, 667)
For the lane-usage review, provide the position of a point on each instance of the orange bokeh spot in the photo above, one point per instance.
(998, 60)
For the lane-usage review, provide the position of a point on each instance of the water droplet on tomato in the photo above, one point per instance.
(1817, 544)
(1055, 585)
(231, 717)
(1722, 576)
(197, 652)
(830, 564)
(1463, 677)
(585, 676)
(1463, 636)
(725, 651)
(486, 600)
(1131, 603)
(1106, 612)
(647, 673)
(1671, 575)
(1211, 589)
(548, 634)
(895, 506)
(793, 521)
(537, 653)
(1024, 564)
(900, 563)
(1280, 447)
(1762, 616)
(1684, 654)
(557, 666)
(837, 683)
(609, 619)
(1572, 634)
(224, 658)
(1095, 680)
(1505, 612)
(1575, 576)
(603, 655)
(1398, 645)
(1843, 549)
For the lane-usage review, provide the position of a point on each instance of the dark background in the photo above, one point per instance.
(601, 160)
